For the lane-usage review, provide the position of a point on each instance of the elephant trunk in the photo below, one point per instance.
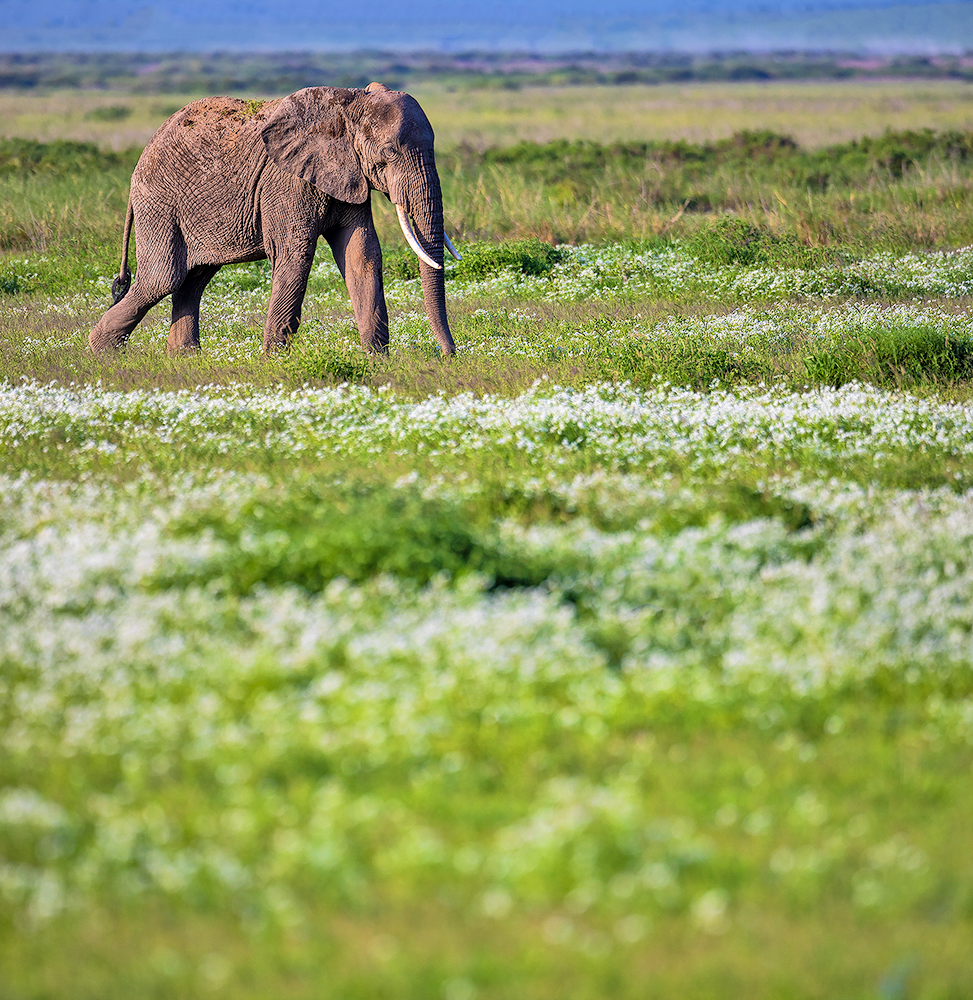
(434, 296)
(425, 203)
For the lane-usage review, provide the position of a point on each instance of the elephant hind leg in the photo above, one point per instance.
(184, 333)
(116, 326)
(159, 273)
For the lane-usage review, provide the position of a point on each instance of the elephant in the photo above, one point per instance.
(225, 181)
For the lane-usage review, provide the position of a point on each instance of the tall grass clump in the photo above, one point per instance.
(903, 356)
(737, 241)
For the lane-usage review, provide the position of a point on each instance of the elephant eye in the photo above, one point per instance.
(389, 153)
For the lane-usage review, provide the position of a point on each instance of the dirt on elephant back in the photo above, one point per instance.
(207, 134)
(227, 118)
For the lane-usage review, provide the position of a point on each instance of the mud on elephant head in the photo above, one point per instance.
(225, 181)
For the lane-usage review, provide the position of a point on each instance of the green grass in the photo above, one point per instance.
(62, 194)
(734, 305)
(626, 653)
(899, 191)
(295, 716)
(397, 943)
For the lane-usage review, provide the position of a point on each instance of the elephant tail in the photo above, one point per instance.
(124, 280)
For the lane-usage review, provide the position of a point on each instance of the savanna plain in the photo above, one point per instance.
(626, 654)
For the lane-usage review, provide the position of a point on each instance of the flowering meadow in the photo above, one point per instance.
(626, 654)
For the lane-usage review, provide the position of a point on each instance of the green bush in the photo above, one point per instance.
(896, 151)
(904, 356)
(755, 144)
(354, 531)
(25, 157)
(529, 256)
(399, 264)
(109, 113)
(736, 241)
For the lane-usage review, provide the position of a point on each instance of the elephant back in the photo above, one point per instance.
(213, 137)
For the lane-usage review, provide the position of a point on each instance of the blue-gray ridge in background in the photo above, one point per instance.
(544, 26)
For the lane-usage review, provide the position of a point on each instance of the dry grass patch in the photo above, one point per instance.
(815, 114)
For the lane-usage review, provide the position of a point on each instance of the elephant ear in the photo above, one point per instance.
(309, 135)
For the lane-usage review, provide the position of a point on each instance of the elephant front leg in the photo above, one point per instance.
(184, 333)
(359, 258)
(291, 271)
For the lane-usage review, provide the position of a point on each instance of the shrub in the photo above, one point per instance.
(736, 241)
(895, 357)
(109, 113)
(529, 256)
(25, 157)
(355, 531)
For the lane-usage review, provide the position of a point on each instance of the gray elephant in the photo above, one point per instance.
(225, 181)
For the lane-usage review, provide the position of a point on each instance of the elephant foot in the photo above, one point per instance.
(277, 345)
(178, 344)
(375, 343)
(101, 341)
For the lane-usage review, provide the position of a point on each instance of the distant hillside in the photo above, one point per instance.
(544, 26)
(282, 72)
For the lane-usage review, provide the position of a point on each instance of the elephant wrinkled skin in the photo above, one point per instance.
(225, 181)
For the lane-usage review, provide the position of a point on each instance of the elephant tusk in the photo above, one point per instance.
(450, 247)
(411, 238)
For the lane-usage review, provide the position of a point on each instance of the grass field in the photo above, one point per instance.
(872, 205)
(814, 113)
(627, 653)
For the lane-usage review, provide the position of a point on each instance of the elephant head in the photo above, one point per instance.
(346, 142)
